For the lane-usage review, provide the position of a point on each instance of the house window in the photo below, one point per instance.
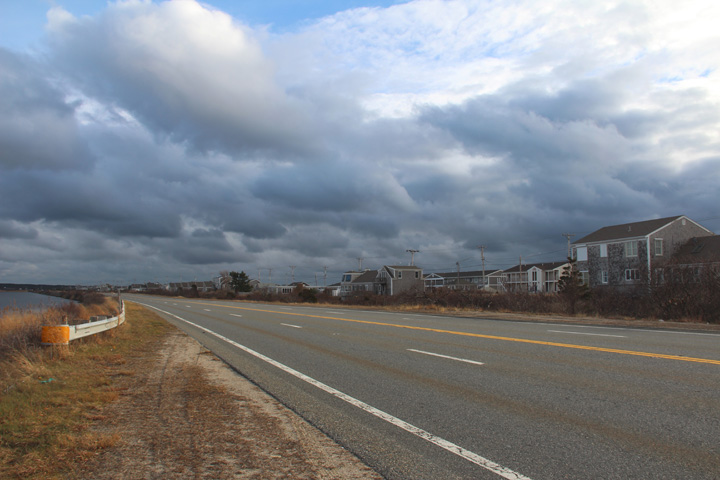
(417, 274)
(603, 250)
(585, 277)
(399, 274)
(658, 247)
(582, 255)
(604, 277)
(534, 276)
(631, 249)
(632, 274)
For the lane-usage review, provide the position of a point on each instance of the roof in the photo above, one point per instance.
(699, 250)
(476, 273)
(541, 266)
(627, 230)
(367, 277)
(404, 267)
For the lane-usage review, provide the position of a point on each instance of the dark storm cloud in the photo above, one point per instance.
(204, 246)
(81, 200)
(38, 129)
(10, 230)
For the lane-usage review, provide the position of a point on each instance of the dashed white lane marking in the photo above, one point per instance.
(445, 356)
(207, 309)
(289, 325)
(187, 306)
(235, 315)
(592, 334)
(483, 462)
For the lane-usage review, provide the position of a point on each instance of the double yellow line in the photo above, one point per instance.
(490, 337)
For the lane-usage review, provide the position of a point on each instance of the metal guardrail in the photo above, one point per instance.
(64, 334)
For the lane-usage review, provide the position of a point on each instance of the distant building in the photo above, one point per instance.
(625, 255)
(533, 277)
(388, 280)
(202, 286)
(471, 280)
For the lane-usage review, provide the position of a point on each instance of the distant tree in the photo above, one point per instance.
(571, 286)
(307, 295)
(240, 282)
(225, 280)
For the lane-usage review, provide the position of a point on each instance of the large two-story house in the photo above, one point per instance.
(388, 280)
(625, 255)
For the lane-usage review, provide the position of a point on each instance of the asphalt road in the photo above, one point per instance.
(420, 396)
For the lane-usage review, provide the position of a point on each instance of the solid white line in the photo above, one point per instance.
(446, 356)
(593, 334)
(633, 329)
(649, 330)
(235, 315)
(434, 439)
(288, 325)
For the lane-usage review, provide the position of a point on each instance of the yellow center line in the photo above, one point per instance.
(490, 337)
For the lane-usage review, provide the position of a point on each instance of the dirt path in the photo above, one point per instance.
(184, 414)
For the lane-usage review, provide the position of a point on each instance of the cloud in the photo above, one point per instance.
(187, 72)
(11, 230)
(169, 139)
(38, 129)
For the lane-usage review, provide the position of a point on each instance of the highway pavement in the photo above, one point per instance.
(434, 397)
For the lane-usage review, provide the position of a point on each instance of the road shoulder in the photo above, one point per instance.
(186, 414)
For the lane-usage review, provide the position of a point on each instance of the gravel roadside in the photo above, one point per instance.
(183, 413)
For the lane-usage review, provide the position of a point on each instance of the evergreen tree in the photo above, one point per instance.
(240, 282)
(571, 286)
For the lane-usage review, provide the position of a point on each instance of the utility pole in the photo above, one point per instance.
(482, 257)
(259, 279)
(269, 275)
(292, 273)
(568, 236)
(520, 277)
(412, 256)
(457, 264)
(325, 276)
(360, 259)
(316, 279)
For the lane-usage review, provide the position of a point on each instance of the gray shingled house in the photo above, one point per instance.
(625, 255)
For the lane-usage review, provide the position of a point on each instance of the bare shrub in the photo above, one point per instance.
(687, 293)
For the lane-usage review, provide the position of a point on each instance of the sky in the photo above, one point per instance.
(165, 141)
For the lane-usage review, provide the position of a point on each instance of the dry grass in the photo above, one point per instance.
(49, 397)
